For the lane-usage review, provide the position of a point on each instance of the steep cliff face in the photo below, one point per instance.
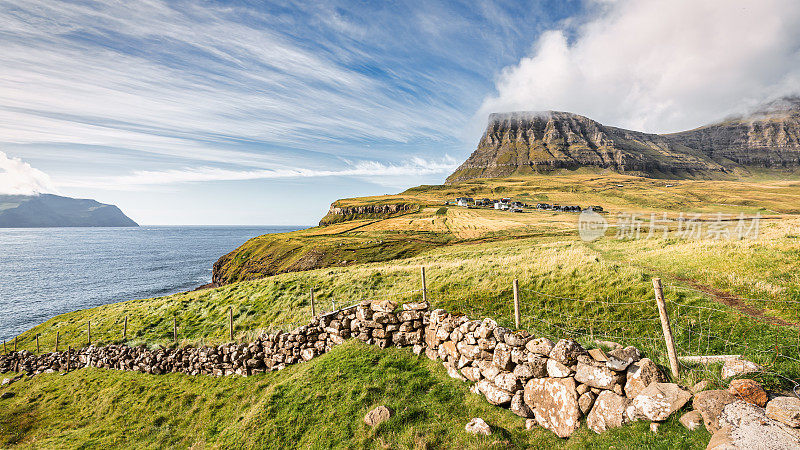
(379, 211)
(524, 142)
(770, 137)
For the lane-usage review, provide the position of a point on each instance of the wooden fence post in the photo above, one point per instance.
(313, 306)
(58, 335)
(175, 330)
(69, 354)
(15, 344)
(424, 285)
(37, 343)
(516, 303)
(230, 322)
(89, 330)
(125, 330)
(665, 327)
(4, 347)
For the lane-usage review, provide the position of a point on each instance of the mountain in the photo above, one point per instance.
(47, 210)
(526, 142)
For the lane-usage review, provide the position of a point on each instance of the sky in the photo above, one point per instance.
(240, 112)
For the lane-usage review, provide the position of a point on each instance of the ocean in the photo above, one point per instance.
(45, 272)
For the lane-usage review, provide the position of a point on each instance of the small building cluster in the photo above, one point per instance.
(567, 208)
(505, 204)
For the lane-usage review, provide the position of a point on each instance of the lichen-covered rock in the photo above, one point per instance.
(710, 405)
(639, 375)
(517, 339)
(378, 415)
(737, 367)
(502, 357)
(749, 391)
(494, 394)
(585, 402)
(478, 426)
(471, 373)
(384, 306)
(519, 407)
(691, 420)
(540, 346)
(508, 382)
(750, 428)
(620, 359)
(416, 306)
(555, 404)
(608, 412)
(785, 410)
(599, 377)
(557, 370)
(566, 351)
(659, 400)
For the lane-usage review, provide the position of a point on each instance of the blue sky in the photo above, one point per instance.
(264, 113)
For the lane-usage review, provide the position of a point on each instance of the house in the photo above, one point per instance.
(516, 204)
(500, 205)
(543, 206)
(465, 201)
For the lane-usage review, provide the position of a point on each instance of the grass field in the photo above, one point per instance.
(570, 288)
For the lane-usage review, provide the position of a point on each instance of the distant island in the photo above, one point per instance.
(48, 210)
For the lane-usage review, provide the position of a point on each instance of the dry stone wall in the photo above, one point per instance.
(555, 383)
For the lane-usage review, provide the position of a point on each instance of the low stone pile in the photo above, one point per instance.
(555, 384)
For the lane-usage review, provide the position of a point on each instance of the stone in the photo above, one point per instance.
(785, 410)
(488, 370)
(599, 377)
(557, 370)
(478, 426)
(378, 415)
(502, 357)
(583, 388)
(659, 400)
(530, 424)
(519, 407)
(691, 420)
(608, 412)
(750, 428)
(540, 346)
(524, 372)
(722, 440)
(737, 367)
(700, 386)
(566, 351)
(585, 402)
(7, 394)
(517, 339)
(654, 427)
(454, 373)
(555, 404)
(749, 391)
(619, 359)
(486, 329)
(416, 306)
(493, 394)
(710, 405)
(384, 306)
(6, 382)
(307, 354)
(471, 373)
(508, 382)
(598, 355)
(640, 374)
(538, 365)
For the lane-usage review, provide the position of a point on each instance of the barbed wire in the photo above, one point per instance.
(731, 297)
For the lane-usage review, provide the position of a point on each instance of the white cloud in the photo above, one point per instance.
(19, 178)
(659, 66)
(376, 172)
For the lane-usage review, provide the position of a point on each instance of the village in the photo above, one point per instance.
(506, 204)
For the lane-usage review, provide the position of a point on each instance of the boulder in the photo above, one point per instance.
(478, 426)
(454, 373)
(737, 367)
(710, 404)
(722, 440)
(585, 402)
(471, 373)
(691, 420)
(619, 359)
(566, 351)
(659, 400)
(608, 412)
(530, 424)
(486, 329)
(538, 365)
(502, 357)
(750, 428)
(517, 339)
(640, 374)
(488, 370)
(557, 370)
(378, 415)
(494, 394)
(540, 346)
(519, 407)
(507, 381)
(384, 306)
(555, 404)
(599, 377)
(785, 410)
(749, 391)
(416, 306)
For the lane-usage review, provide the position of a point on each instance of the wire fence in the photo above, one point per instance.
(702, 324)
